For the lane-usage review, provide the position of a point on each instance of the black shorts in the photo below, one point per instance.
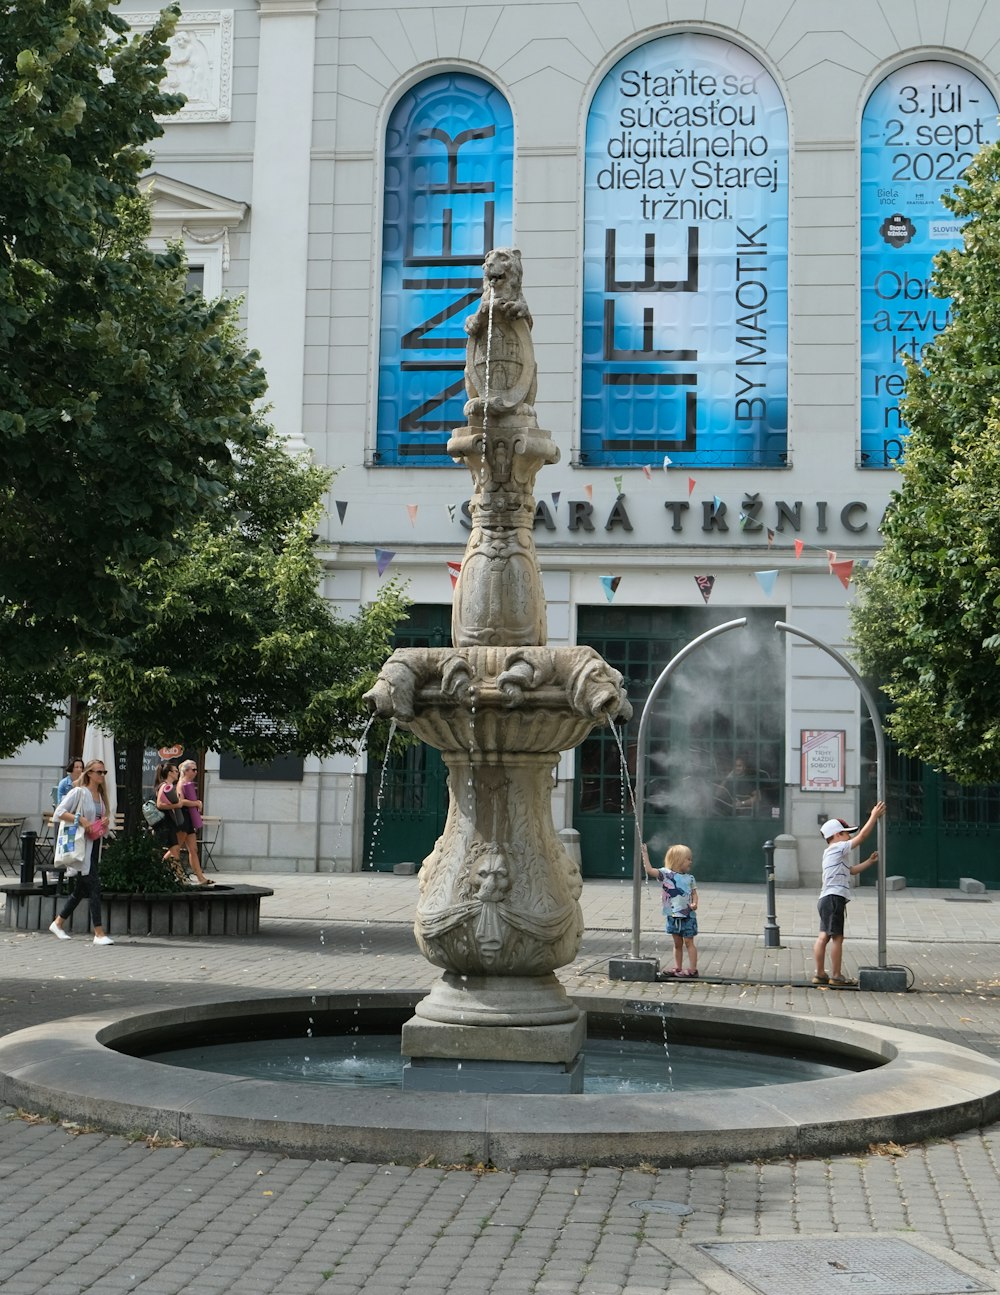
(831, 914)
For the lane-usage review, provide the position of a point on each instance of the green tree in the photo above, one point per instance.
(121, 395)
(239, 648)
(926, 624)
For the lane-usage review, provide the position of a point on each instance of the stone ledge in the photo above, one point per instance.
(211, 910)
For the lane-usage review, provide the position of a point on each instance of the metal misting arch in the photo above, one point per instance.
(640, 771)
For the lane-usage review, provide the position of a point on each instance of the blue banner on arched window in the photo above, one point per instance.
(449, 166)
(921, 128)
(685, 307)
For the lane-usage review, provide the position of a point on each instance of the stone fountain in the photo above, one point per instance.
(499, 895)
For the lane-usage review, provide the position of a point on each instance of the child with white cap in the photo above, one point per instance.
(840, 839)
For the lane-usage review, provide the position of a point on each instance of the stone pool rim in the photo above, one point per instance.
(919, 1087)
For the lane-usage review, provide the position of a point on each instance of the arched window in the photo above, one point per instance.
(685, 309)
(449, 165)
(921, 128)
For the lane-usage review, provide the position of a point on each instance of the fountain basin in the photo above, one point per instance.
(918, 1087)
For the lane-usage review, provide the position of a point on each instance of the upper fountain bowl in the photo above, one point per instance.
(497, 700)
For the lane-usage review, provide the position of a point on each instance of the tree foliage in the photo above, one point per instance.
(239, 648)
(927, 623)
(121, 395)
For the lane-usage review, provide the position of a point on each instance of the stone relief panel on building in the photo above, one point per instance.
(685, 295)
(200, 64)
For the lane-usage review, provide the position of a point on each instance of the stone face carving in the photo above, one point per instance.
(499, 894)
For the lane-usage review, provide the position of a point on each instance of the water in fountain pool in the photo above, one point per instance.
(613, 1066)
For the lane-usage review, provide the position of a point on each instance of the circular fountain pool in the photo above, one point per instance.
(614, 1065)
(899, 1086)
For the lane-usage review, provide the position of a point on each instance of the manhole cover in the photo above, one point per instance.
(878, 1266)
(662, 1207)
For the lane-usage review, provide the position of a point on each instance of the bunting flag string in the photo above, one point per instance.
(842, 570)
(705, 586)
(556, 496)
(767, 580)
(341, 509)
(667, 462)
(610, 584)
(647, 472)
(589, 492)
(799, 546)
(770, 537)
(454, 569)
(618, 484)
(691, 485)
(831, 558)
(382, 559)
(412, 511)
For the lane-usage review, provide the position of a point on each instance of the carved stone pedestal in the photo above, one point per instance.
(520, 1034)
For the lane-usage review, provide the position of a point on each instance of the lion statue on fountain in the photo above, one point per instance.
(500, 332)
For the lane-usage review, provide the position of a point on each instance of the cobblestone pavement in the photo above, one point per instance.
(84, 1211)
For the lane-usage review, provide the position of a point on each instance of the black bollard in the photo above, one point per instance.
(28, 857)
(772, 936)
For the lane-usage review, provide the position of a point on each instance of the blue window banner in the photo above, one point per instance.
(449, 183)
(685, 293)
(920, 129)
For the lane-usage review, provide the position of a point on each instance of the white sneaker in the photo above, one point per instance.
(58, 932)
(103, 939)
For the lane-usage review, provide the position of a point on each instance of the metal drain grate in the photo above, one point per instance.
(877, 1265)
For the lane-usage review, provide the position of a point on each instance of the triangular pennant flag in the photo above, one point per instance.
(667, 462)
(610, 584)
(556, 496)
(743, 521)
(842, 570)
(705, 584)
(412, 510)
(453, 570)
(341, 509)
(382, 559)
(831, 558)
(589, 492)
(716, 503)
(770, 537)
(799, 546)
(647, 472)
(691, 484)
(766, 581)
(618, 484)
(451, 511)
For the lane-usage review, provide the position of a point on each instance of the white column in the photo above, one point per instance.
(279, 204)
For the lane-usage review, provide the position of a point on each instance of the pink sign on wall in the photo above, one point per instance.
(822, 759)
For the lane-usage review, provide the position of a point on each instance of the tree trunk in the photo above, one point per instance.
(134, 752)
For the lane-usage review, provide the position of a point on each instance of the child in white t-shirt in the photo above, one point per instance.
(835, 892)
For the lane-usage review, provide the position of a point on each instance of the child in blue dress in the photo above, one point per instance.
(680, 899)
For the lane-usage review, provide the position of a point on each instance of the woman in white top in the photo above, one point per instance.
(87, 800)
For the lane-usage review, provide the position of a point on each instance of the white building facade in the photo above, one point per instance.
(726, 214)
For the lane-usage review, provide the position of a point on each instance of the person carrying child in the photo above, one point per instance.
(680, 899)
(835, 893)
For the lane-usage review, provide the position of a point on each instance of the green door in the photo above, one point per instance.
(937, 830)
(714, 771)
(406, 800)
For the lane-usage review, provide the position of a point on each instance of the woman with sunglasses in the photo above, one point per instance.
(86, 801)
